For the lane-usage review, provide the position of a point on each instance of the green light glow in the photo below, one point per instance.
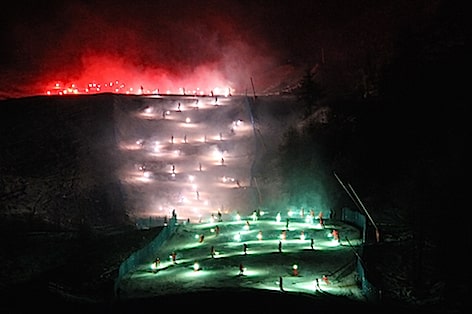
(260, 273)
(237, 237)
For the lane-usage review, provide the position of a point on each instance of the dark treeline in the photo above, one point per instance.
(402, 147)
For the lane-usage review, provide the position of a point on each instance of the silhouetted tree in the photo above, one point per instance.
(302, 167)
(309, 92)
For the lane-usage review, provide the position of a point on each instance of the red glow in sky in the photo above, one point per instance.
(162, 45)
(118, 75)
(169, 45)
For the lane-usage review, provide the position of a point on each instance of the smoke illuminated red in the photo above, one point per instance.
(109, 74)
(145, 47)
(197, 46)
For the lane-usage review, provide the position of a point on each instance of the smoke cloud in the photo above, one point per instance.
(154, 44)
(168, 45)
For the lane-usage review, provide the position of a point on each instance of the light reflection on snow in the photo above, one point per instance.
(263, 266)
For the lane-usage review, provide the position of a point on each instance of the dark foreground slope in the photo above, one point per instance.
(63, 229)
(58, 152)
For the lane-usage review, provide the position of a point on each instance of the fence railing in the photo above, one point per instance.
(145, 254)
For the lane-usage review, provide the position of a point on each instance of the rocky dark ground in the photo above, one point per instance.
(51, 268)
(63, 227)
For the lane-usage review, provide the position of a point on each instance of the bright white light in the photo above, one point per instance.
(217, 154)
(237, 237)
(156, 147)
(302, 236)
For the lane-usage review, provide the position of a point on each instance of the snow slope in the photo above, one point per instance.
(273, 248)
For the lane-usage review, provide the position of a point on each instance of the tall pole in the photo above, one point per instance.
(377, 233)
(253, 89)
(347, 191)
(258, 191)
(359, 205)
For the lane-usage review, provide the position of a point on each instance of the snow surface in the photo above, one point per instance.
(187, 154)
(264, 266)
(194, 157)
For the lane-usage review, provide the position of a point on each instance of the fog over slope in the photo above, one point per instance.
(70, 160)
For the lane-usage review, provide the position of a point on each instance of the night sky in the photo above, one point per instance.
(183, 43)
